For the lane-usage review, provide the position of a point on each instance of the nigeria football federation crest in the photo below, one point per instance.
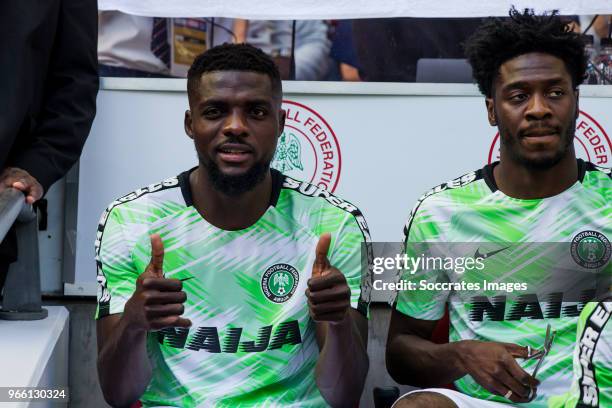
(308, 149)
(288, 154)
(591, 249)
(279, 281)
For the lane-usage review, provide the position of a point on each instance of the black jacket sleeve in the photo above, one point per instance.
(69, 97)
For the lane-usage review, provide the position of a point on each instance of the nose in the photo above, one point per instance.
(235, 124)
(538, 107)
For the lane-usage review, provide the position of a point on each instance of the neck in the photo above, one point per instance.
(516, 180)
(229, 212)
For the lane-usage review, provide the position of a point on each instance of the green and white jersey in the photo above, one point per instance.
(592, 384)
(471, 209)
(252, 342)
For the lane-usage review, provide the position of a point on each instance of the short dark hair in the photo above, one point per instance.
(498, 40)
(233, 57)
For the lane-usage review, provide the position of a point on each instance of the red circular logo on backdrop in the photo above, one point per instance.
(308, 149)
(590, 142)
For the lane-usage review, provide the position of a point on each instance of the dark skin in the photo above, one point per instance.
(342, 332)
(535, 107)
(233, 105)
(157, 303)
(235, 119)
(415, 360)
(21, 180)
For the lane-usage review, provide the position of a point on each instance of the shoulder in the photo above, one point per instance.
(597, 180)
(451, 195)
(145, 204)
(314, 196)
(311, 205)
(596, 175)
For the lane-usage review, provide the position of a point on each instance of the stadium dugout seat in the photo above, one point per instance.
(443, 70)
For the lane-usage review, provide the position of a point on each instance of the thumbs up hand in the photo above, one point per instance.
(157, 302)
(328, 293)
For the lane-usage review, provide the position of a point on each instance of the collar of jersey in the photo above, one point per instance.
(183, 178)
(487, 172)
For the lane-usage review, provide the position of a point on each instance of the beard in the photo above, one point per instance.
(235, 185)
(510, 143)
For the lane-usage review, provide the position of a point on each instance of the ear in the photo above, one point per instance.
(577, 94)
(281, 122)
(490, 104)
(188, 124)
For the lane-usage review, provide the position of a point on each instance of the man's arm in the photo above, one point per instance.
(123, 366)
(413, 359)
(343, 363)
(157, 303)
(69, 102)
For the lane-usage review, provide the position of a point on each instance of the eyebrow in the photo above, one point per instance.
(527, 84)
(250, 102)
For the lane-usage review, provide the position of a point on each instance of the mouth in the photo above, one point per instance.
(540, 133)
(540, 139)
(234, 152)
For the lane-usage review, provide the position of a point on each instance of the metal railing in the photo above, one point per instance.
(11, 204)
(21, 295)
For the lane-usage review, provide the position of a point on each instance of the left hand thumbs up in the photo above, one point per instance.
(328, 292)
(321, 262)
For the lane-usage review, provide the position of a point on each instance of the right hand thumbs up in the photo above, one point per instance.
(157, 302)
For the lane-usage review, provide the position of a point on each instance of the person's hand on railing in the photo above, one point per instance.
(23, 181)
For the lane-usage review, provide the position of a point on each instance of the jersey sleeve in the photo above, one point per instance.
(116, 271)
(592, 366)
(420, 303)
(350, 252)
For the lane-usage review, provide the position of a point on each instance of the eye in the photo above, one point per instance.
(259, 111)
(211, 112)
(557, 93)
(518, 97)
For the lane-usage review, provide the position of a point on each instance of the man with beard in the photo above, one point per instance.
(222, 287)
(528, 67)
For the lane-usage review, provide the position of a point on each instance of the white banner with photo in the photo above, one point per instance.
(346, 9)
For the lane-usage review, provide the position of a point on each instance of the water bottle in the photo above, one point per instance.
(604, 61)
(592, 76)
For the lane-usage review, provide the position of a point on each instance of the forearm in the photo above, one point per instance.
(123, 365)
(241, 28)
(415, 361)
(343, 363)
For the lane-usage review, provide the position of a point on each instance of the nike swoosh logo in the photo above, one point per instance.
(488, 254)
